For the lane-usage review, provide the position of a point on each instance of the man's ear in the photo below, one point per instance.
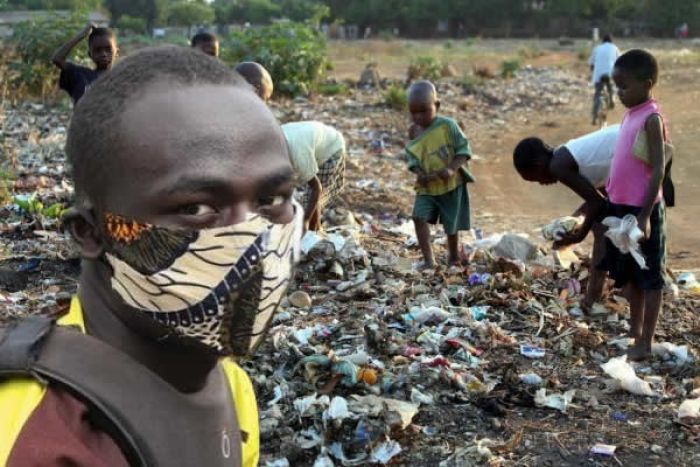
(437, 105)
(83, 229)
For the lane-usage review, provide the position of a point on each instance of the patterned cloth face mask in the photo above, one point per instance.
(219, 286)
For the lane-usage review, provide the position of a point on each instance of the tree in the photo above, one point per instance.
(153, 11)
(190, 13)
(240, 11)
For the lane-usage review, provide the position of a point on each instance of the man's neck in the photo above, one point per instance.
(109, 320)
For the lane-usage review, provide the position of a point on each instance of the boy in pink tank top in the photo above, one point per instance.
(634, 187)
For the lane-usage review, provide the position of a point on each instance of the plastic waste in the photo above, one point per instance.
(559, 402)
(556, 229)
(323, 460)
(531, 351)
(531, 379)
(603, 449)
(308, 439)
(625, 234)
(667, 350)
(420, 398)
(690, 408)
(337, 410)
(283, 462)
(385, 451)
(623, 373)
(479, 312)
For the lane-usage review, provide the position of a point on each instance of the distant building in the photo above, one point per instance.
(8, 19)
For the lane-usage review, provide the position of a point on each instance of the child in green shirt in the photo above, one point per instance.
(437, 156)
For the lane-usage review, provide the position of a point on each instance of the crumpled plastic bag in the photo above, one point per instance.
(625, 234)
(556, 401)
(623, 373)
(690, 408)
(556, 229)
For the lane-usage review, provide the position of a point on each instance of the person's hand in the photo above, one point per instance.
(644, 225)
(87, 29)
(423, 178)
(446, 173)
(571, 238)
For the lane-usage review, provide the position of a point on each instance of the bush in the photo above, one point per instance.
(471, 82)
(424, 67)
(28, 55)
(583, 53)
(509, 68)
(132, 24)
(332, 89)
(396, 97)
(293, 53)
(530, 52)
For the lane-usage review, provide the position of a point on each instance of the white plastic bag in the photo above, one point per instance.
(556, 229)
(625, 234)
(690, 408)
(620, 370)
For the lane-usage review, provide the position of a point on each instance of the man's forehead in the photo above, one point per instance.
(207, 130)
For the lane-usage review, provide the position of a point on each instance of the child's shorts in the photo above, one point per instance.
(450, 209)
(623, 268)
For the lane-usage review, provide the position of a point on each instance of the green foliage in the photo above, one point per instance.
(509, 68)
(132, 24)
(396, 97)
(583, 53)
(530, 52)
(332, 89)
(470, 82)
(424, 67)
(190, 13)
(73, 5)
(293, 53)
(33, 206)
(30, 71)
(252, 11)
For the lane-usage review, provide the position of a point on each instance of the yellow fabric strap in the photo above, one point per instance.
(20, 396)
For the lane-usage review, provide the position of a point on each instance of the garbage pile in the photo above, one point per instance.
(38, 263)
(373, 362)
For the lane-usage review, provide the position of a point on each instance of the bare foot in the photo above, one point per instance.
(639, 352)
(586, 305)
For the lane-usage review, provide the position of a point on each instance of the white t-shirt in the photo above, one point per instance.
(310, 145)
(603, 60)
(593, 153)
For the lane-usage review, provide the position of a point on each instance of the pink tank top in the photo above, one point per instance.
(629, 177)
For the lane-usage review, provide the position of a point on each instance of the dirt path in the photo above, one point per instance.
(508, 199)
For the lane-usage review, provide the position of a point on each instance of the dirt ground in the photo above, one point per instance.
(500, 196)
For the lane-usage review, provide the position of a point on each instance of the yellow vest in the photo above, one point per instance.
(20, 396)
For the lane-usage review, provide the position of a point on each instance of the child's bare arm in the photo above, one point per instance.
(59, 56)
(657, 157)
(565, 169)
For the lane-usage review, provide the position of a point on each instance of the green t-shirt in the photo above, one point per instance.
(434, 150)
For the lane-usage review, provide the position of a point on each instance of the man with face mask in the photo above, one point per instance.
(188, 232)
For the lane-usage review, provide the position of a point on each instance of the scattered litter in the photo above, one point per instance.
(559, 402)
(623, 373)
(690, 408)
(603, 449)
(531, 351)
(384, 452)
(532, 379)
(625, 234)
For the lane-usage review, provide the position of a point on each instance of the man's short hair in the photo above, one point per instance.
(527, 152)
(607, 38)
(203, 38)
(640, 63)
(100, 32)
(95, 135)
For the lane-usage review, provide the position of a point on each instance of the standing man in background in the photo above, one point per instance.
(602, 62)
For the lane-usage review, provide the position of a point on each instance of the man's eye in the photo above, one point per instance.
(196, 210)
